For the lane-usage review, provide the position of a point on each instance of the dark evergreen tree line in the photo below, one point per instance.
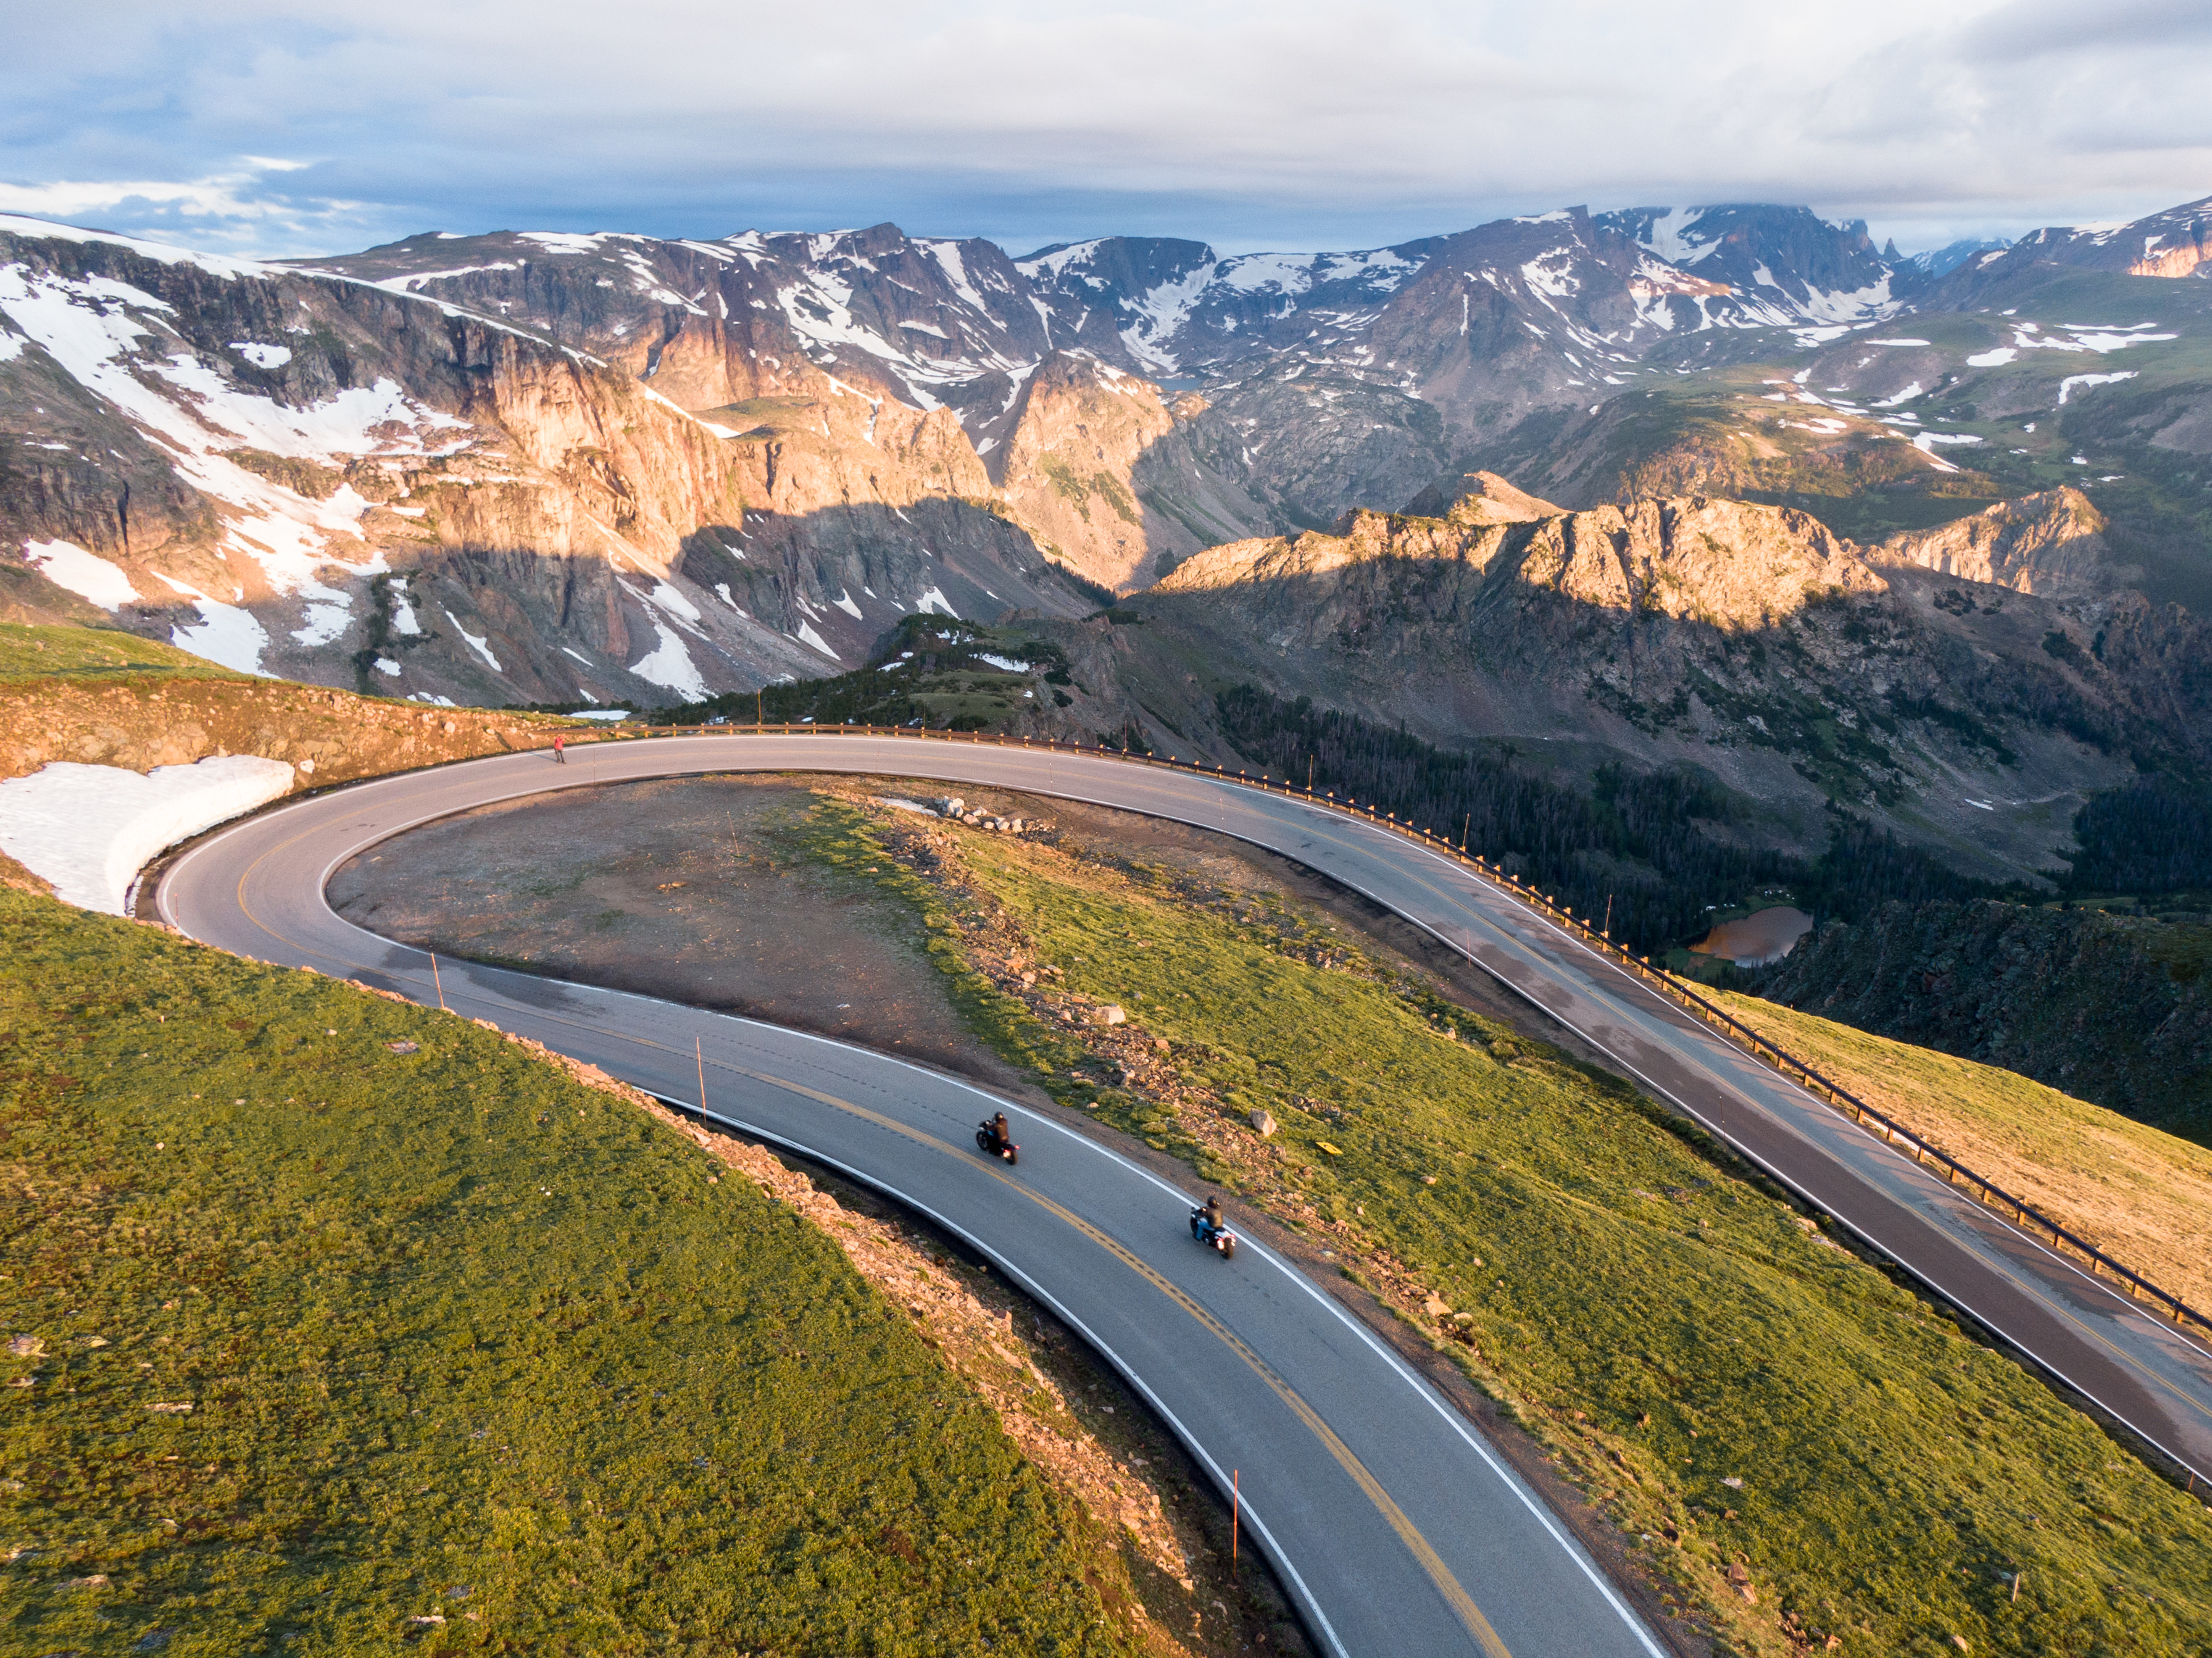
(1644, 841)
(2151, 835)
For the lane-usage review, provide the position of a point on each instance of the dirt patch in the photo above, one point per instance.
(685, 888)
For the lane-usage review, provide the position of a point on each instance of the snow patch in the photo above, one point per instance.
(670, 665)
(669, 600)
(226, 634)
(476, 642)
(2003, 355)
(88, 829)
(86, 574)
(934, 603)
(806, 635)
(844, 602)
(263, 357)
(2066, 387)
(17, 224)
(564, 241)
(403, 610)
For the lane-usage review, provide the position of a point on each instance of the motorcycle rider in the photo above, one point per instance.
(1002, 1134)
(1212, 1216)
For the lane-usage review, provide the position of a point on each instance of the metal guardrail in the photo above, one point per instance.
(2015, 1210)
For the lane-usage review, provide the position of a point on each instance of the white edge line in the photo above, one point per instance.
(1822, 1113)
(1572, 1550)
(1922, 1274)
(1067, 1317)
(1450, 1416)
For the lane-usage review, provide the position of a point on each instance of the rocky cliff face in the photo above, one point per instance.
(2050, 544)
(543, 466)
(318, 475)
(1748, 640)
(1726, 565)
(1081, 428)
(1332, 380)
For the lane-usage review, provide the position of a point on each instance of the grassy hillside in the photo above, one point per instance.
(334, 1325)
(100, 697)
(2113, 1008)
(1808, 1451)
(2143, 1196)
(28, 652)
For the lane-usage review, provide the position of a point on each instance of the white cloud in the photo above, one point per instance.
(1043, 116)
(225, 211)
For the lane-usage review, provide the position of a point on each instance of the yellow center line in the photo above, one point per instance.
(1461, 1602)
(1455, 1596)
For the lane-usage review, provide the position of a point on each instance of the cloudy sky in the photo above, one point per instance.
(299, 127)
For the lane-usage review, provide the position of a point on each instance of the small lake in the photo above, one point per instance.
(1759, 939)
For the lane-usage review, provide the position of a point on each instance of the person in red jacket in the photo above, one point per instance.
(559, 758)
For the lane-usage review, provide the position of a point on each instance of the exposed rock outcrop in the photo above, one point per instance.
(1069, 470)
(1747, 640)
(1726, 563)
(1481, 498)
(2052, 542)
(315, 476)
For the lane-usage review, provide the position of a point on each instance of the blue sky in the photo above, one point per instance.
(290, 129)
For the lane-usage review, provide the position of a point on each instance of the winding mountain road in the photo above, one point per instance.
(1392, 1523)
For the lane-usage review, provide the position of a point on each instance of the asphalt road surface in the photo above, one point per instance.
(1393, 1525)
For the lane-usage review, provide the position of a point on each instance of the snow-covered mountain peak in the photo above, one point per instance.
(216, 265)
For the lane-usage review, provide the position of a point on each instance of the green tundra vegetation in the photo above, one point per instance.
(2141, 1194)
(43, 651)
(333, 1324)
(1731, 1386)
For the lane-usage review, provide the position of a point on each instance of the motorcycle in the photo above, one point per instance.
(1214, 1237)
(991, 1144)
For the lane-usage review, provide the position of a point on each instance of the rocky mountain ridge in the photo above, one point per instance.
(296, 472)
(1802, 670)
(644, 469)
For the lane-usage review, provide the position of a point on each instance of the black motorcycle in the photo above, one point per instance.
(1212, 1236)
(992, 1144)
